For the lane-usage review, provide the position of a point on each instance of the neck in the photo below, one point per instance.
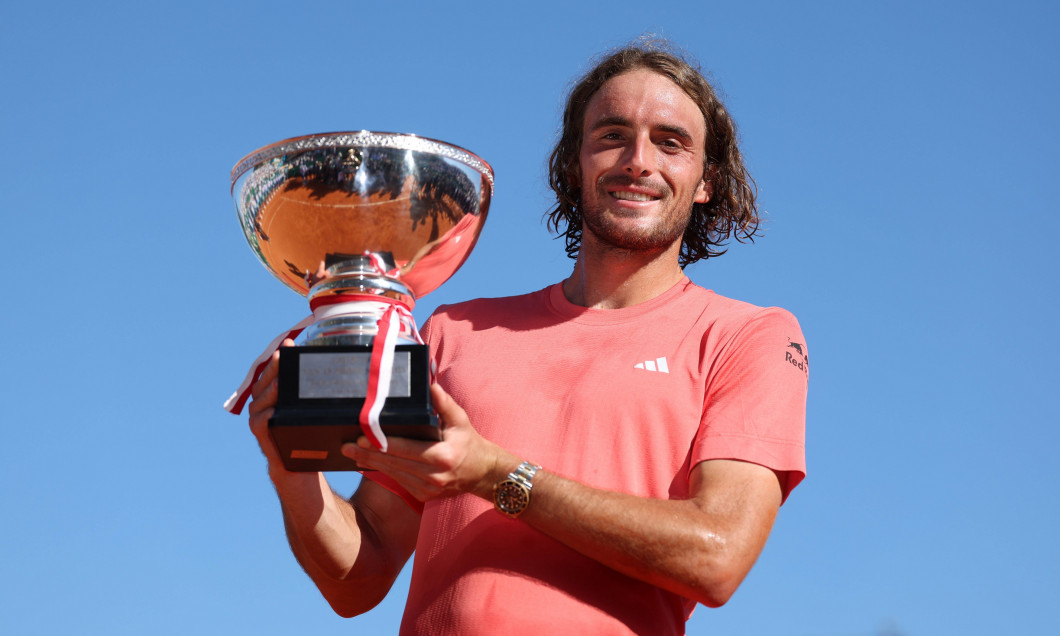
(609, 278)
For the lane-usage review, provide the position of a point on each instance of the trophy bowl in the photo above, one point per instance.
(362, 223)
(321, 198)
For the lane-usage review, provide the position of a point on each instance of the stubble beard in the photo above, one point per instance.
(659, 237)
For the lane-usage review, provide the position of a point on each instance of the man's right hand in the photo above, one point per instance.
(264, 394)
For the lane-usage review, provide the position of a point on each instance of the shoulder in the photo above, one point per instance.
(745, 340)
(737, 318)
(735, 334)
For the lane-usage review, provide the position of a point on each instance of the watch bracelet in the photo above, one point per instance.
(524, 474)
(522, 477)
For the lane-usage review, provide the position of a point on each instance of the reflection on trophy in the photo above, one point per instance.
(363, 224)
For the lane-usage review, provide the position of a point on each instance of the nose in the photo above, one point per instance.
(637, 156)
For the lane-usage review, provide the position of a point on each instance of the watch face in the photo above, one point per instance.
(511, 497)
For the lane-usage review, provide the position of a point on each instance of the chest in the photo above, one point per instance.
(612, 406)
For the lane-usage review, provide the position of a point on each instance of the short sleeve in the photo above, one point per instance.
(425, 329)
(755, 405)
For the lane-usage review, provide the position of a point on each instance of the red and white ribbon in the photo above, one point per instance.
(379, 372)
(394, 319)
(332, 306)
(234, 404)
(382, 361)
(390, 326)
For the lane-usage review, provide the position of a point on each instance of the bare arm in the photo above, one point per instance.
(375, 537)
(701, 548)
(352, 550)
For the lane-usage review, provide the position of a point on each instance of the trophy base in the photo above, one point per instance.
(322, 390)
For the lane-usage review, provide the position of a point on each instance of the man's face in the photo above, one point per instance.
(641, 162)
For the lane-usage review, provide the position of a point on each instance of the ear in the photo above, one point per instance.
(574, 184)
(704, 191)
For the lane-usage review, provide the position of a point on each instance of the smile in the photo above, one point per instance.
(623, 195)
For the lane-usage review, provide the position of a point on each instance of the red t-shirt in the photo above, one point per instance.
(625, 400)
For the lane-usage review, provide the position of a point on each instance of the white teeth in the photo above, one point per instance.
(632, 196)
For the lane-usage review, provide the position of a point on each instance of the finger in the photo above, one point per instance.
(402, 447)
(264, 397)
(259, 422)
(439, 398)
(268, 375)
(408, 462)
(270, 372)
(397, 447)
(450, 413)
(259, 426)
(422, 481)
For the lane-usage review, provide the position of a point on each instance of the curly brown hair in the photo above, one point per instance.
(731, 210)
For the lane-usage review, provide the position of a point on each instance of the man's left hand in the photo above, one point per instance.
(463, 461)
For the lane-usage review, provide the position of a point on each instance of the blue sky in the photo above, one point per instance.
(906, 155)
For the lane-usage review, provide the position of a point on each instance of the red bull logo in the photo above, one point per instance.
(802, 361)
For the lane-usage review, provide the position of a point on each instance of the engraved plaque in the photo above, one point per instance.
(345, 375)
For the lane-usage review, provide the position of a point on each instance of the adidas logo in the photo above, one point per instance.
(658, 364)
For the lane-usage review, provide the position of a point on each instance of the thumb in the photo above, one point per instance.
(448, 410)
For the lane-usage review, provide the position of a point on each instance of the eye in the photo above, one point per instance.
(671, 145)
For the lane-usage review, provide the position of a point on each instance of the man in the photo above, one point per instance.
(616, 446)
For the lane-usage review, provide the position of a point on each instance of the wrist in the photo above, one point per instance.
(292, 484)
(497, 469)
(511, 496)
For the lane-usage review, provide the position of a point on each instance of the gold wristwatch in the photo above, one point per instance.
(512, 496)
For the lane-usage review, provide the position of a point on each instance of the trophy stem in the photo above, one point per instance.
(351, 298)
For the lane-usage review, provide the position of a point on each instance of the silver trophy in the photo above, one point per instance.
(362, 223)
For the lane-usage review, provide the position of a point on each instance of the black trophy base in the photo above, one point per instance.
(321, 392)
